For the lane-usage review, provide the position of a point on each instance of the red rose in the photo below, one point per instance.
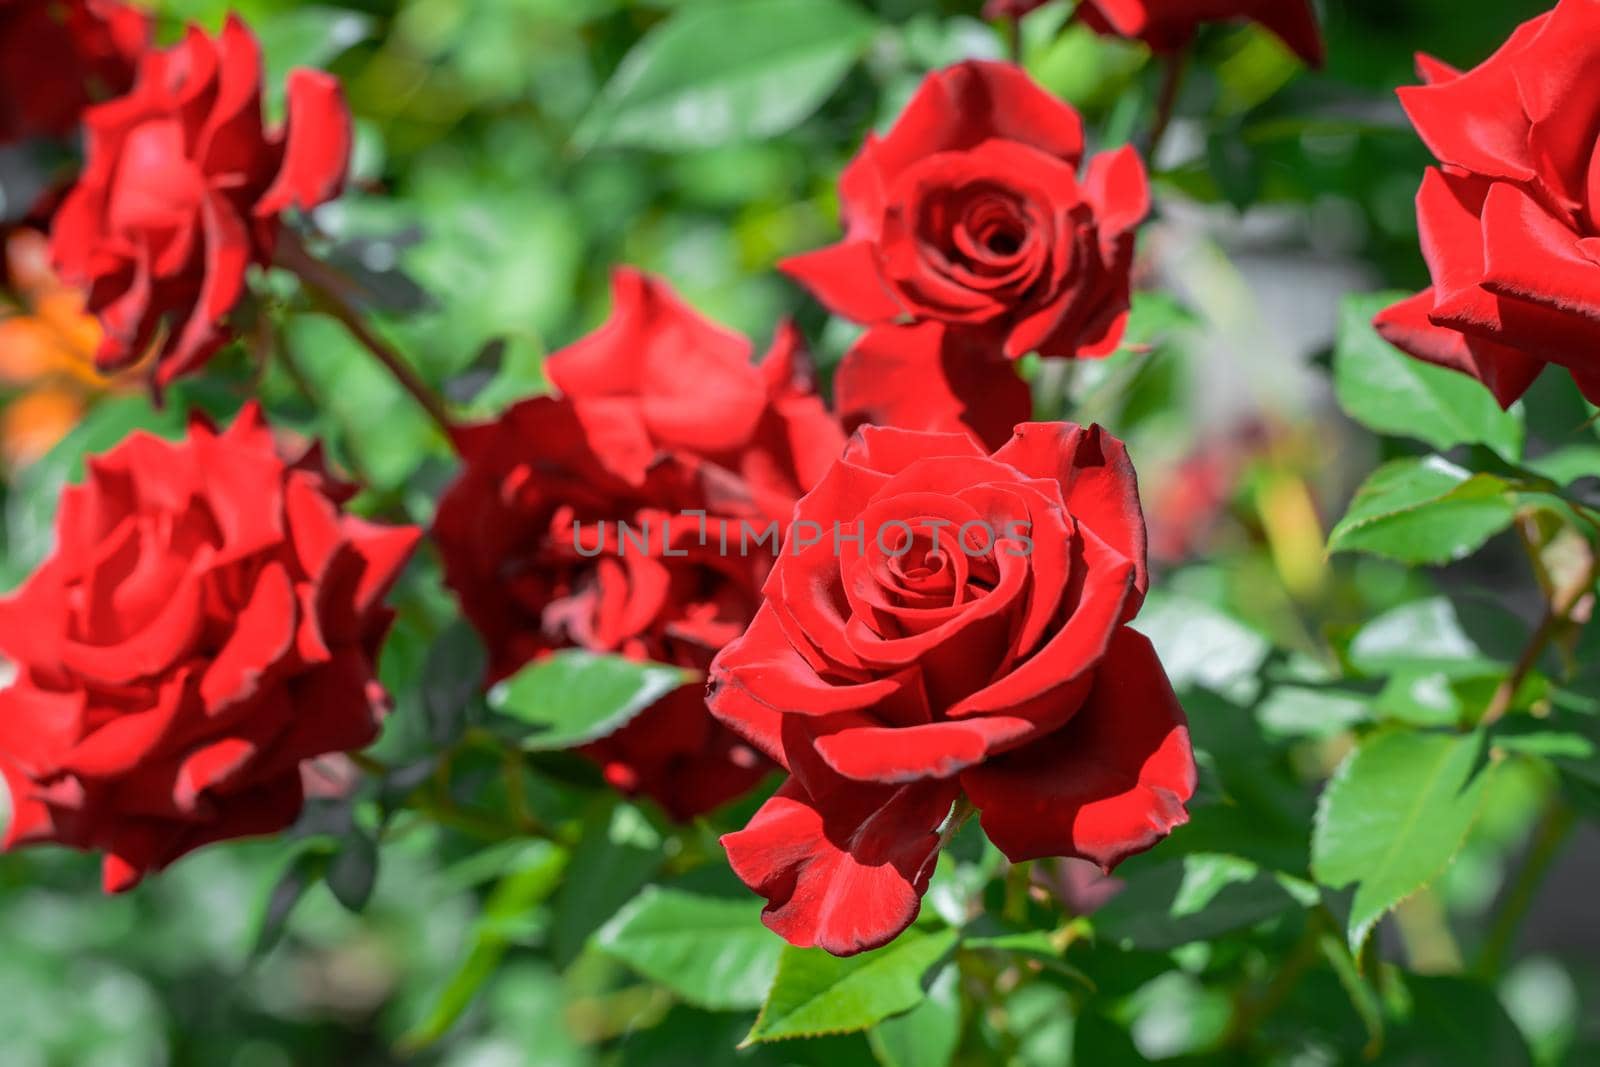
(1511, 220)
(942, 622)
(181, 194)
(59, 56)
(971, 213)
(662, 416)
(209, 620)
(690, 386)
(1169, 25)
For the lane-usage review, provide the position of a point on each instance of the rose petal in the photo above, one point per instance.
(317, 137)
(928, 377)
(846, 880)
(1507, 372)
(1109, 784)
(845, 278)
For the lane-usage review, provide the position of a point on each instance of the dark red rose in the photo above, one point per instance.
(208, 621)
(181, 194)
(974, 641)
(1168, 25)
(1510, 221)
(691, 387)
(971, 213)
(59, 56)
(662, 416)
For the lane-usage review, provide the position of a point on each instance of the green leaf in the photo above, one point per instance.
(1195, 898)
(927, 1035)
(513, 896)
(1433, 634)
(353, 871)
(1568, 464)
(711, 951)
(574, 697)
(815, 993)
(451, 677)
(303, 871)
(1306, 711)
(618, 852)
(731, 70)
(1424, 511)
(1392, 819)
(1386, 390)
(1456, 1021)
(1202, 647)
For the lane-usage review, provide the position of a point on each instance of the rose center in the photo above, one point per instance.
(157, 186)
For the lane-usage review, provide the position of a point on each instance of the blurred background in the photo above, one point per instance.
(500, 175)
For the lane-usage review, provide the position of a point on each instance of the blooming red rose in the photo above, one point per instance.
(940, 622)
(1168, 25)
(1510, 222)
(209, 619)
(692, 388)
(182, 190)
(971, 213)
(530, 537)
(59, 56)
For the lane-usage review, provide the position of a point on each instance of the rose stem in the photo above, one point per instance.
(325, 293)
(1557, 616)
(1166, 102)
(1014, 38)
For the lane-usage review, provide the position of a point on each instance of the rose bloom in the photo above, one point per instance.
(59, 56)
(971, 213)
(973, 639)
(1169, 25)
(208, 621)
(181, 194)
(662, 415)
(1510, 221)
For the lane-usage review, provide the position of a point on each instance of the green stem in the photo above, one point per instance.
(1556, 618)
(1250, 1012)
(1554, 826)
(375, 767)
(322, 286)
(1166, 102)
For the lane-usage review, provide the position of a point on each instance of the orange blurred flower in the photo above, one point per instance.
(47, 347)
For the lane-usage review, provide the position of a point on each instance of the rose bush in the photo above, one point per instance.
(972, 639)
(664, 424)
(208, 621)
(181, 194)
(970, 213)
(1510, 220)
